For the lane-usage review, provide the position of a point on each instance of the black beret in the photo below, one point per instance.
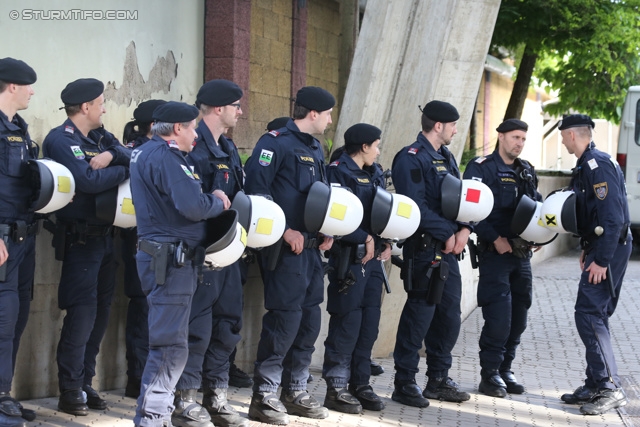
(218, 93)
(512, 124)
(575, 120)
(16, 72)
(278, 123)
(144, 112)
(441, 111)
(361, 133)
(315, 98)
(81, 90)
(175, 112)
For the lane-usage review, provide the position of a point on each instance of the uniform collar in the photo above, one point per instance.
(217, 149)
(306, 138)
(17, 124)
(349, 162)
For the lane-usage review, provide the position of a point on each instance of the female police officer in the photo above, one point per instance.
(353, 295)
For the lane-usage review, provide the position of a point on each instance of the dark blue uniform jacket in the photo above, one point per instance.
(167, 195)
(283, 165)
(362, 182)
(218, 165)
(601, 200)
(507, 184)
(65, 144)
(418, 171)
(16, 149)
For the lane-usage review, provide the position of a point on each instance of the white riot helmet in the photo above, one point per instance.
(225, 240)
(558, 212)
(393, 216)
(54, 185)
(262, 218)
(528, 224)
(332, 210)
(466, 200)
(115, 206)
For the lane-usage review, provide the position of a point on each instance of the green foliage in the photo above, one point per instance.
(244, 157)
(588, 50)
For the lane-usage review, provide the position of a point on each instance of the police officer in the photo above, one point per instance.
(504, 287)
(418, 171)
(84, 243)
(603, 226)
(136, 133)
(285, 163)
(216, 310)
(354, 294)
(170, 213)
(17, 227)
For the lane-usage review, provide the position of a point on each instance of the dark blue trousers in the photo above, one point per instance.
(169, 307)
(292, 296)
(214, 328)
(15, 300)
(86, 290)
(438, 326)
(353, 326)
(137, 327)
(505, 295)
(594, 306)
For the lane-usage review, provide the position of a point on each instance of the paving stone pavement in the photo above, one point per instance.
(550, 362)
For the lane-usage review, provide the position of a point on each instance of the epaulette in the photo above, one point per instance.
(481, 159)
(335, 163)
(273, 133)
(413, 150)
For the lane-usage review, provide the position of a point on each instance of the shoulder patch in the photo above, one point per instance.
(334, 164)
(592, 164)
(77, 152)
(187, 171)
(413, 150)
(273, 133)
(480, 160)
(265, 157)
(69, 129)
(601, 190)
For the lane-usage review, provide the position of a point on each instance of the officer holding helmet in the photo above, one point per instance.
(83, 241)
(603, 226)
(355, 285)
(504, 287)
(285, 163)
(17, 227)
(432, 310)
(171, 210)
(216, 311)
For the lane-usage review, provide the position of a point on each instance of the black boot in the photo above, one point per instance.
(222, 414)
(302, 404)
(11, 412)
(376, 369)
(604, 400)
(188, 413)
(73, 402)
(342, 401)
(444, 389)
(409, 393)
(513, 387)
(133, 387)
(239, 378)
(492, 384)
(267, 408)
(581, 395)
(94, 401)
(367, 397)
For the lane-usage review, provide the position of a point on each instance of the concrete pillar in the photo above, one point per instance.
(439, 55)
(298, 48)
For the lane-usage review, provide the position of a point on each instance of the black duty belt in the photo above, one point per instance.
(87, 230)
(309, 241)
(587, 243)
(20, 230)
(151, 247)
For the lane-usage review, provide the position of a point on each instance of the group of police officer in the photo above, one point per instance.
(187, 320)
